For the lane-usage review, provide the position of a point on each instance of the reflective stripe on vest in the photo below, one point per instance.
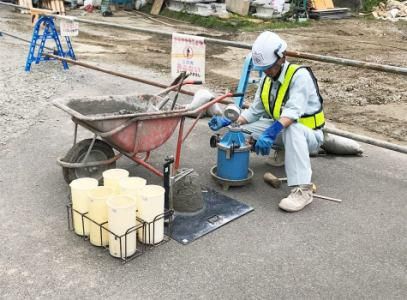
(313, 121)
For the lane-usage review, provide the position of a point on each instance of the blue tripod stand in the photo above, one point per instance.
(245, 80)
(49, 32)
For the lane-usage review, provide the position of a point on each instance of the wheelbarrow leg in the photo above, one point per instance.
(75, 134)
(90, 148)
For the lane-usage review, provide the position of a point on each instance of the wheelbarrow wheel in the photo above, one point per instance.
(100, 151)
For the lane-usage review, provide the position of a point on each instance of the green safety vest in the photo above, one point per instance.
(313, 121)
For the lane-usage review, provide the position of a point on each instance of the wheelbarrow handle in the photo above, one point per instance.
(177, 85)
(212, 102)
(192, 82)
(203, 107)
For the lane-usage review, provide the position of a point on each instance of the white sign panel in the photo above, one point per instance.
(188, 54)
(69, 28)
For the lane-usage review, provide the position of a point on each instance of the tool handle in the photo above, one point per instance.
(182, 81)
(192, 82)
(246, 131)
(327, 198)
(237, 95)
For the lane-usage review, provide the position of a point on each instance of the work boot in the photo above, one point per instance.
(276, 158)
(300, 197)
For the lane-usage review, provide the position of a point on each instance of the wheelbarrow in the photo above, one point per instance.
(131, 125)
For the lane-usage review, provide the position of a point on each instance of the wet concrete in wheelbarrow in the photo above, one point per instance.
(90, 108)
(115, 105)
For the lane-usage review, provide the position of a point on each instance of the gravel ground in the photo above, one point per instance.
(23, 95)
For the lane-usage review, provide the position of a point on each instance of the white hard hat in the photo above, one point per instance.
(267, 49)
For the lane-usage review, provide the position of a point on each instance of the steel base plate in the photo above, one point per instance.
(218, 210)
(226, 183)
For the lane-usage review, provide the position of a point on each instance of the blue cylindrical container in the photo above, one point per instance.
(233, 156)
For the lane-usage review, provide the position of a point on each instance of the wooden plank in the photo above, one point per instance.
(155, 10)
(322, 4)
(58, 6)
(40, 11)
(62, 7)
(329, 4)
(25, 3)
(53, 6)
(45, 4)
(318, 4)
(36, 13)
(240, 7)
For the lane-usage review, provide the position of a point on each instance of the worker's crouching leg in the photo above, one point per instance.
(258, 127)
(299, 141)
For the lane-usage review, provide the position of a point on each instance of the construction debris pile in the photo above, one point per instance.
(392, 10)
(265, 9)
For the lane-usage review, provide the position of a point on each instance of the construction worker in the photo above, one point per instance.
(286, 114)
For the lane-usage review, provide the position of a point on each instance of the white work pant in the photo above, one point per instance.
(298, 141)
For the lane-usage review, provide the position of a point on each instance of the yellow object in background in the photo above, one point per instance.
(112, 177)
(98, 213)
(322, 4)
(151, 205)
(121, 216)
(80, 202)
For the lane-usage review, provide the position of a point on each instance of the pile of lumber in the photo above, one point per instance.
(321, 4)
(54, 5)
(393, 10)
(25, 3)
(325, 9)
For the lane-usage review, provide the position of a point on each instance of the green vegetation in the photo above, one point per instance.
(232, 24)
(369, 4)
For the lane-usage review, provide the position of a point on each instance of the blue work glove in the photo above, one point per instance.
(217, 122)
(267, 138)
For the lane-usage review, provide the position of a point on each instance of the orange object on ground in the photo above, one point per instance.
(322, 4)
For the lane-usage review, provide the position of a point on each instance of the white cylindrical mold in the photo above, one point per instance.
(98, 213)
(151, 205)
(131, 187)
(112, 177)
(121, 216)
(80, 202)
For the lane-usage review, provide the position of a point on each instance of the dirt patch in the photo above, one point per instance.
(365, 101)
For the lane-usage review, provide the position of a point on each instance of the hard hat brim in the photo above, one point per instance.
(262, 69)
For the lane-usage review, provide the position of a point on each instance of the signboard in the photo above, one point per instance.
(69, 28)
(188, 54)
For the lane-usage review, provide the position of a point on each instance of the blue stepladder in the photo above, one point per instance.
(47, 25)
(245, 80)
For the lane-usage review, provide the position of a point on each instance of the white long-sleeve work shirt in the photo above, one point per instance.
(302, 97)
